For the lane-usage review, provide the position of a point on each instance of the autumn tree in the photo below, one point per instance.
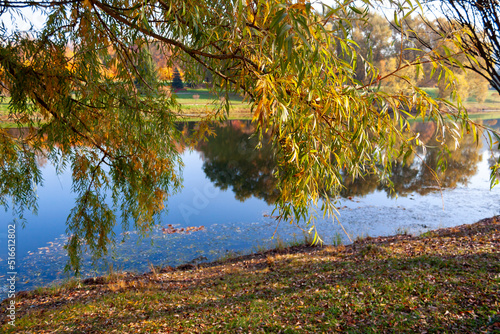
(463, 81)
(481, 22)
(412, 36)
(373, 38)
(292, 63)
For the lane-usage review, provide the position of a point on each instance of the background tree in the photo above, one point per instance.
(412, 38)
(323, 123)
(479, 86)
(177, 80)
(146, 76)
(464, 82)
(480, 20)
(373, 37)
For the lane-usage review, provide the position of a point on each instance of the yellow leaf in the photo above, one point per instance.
(299, 6)
(87, 4)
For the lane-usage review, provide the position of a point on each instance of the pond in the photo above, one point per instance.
(226, 205)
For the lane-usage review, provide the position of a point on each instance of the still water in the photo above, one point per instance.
(227, 203)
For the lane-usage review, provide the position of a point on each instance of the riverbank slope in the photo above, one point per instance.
(446, 280)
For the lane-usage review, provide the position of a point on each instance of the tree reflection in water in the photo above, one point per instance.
(231, 160)
(495, 154)
(417, 176)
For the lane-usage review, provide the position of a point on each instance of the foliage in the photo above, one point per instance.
(296, 66)
(479, 87)
(373, 37)
(464, 83)
(481, 20)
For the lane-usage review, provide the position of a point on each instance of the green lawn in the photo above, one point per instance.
(204, 96)
(197, 102)
(193, 107)
(5, 122)
(4, 106)
(492, 102)
(446, 281)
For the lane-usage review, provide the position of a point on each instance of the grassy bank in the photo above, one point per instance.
(489, 105)
(445, 281)
(195, 103)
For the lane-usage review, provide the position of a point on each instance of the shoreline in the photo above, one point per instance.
(286, 248)
(462, 247)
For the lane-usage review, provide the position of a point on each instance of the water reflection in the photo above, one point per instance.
(495, 154)
(231, 161)
(418, 175)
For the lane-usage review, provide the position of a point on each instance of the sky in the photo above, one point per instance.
(14, 22)
(37, 19)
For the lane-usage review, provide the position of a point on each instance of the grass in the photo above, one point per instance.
(192, 109)
(195, 103)
(337, 239)
(492, 102)
(5, 122)
(447, 281)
